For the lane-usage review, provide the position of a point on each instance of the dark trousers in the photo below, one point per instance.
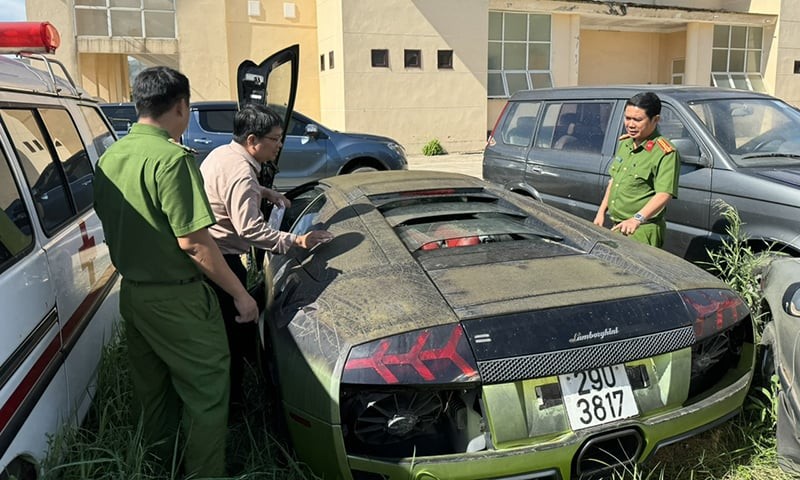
(242, 337)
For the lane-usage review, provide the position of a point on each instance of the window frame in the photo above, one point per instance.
(445, 63)
(750, 77)
(412, 58)
(108, 11)
(383, 60)
(531, 75)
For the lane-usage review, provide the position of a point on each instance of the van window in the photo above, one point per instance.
(102, 137)
(72, 155)
(45, 176)
(15, 224)
(575, 126)
(520, 123)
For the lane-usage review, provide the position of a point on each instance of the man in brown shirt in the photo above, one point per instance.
(230, 174)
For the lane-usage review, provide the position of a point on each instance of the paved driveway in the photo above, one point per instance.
(470, 163)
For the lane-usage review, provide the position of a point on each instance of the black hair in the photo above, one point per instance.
(647, 101)
(254, 119)
(157, 89)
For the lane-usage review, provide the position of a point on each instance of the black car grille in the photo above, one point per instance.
(582, 358)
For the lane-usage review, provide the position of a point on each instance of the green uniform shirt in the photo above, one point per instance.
(639, 173)
(148, 191)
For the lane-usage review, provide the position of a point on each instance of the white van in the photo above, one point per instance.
(58, 288)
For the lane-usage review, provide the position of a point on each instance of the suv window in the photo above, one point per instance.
(577, 126)
(55, 201)
(121, 116)
(15, 224)
(217, 121)
(520, 123)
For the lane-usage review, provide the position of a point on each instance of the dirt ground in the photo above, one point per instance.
(469, 163)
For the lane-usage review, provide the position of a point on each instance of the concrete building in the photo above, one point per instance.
(417, 70)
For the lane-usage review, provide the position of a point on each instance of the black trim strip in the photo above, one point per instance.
(22, 352)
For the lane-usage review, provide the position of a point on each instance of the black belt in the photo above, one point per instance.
(184, 281)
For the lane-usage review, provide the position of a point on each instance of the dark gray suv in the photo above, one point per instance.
(737, 146)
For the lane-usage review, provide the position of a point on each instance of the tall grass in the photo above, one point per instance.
(111, 445)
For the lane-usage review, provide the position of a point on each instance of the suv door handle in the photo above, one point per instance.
(537, 170)
(202, 140)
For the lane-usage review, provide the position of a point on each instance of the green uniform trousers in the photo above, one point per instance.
(651, 233)
(179, 357)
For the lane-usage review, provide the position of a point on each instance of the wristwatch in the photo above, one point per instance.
(639, 217)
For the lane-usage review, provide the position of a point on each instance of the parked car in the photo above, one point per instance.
(310, 151)
(58, 288)
(454, 329)
(121, 115)
(781, 290)
(737, 146)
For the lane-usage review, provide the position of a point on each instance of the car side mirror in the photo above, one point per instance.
(312, 131)
(689, 152)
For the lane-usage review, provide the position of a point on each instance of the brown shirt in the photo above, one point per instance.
(231, 184)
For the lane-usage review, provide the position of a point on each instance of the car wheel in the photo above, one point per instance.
(363, 169)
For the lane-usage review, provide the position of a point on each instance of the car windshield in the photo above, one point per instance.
(756, 132)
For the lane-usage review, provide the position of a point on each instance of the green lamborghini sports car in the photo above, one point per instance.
(456, 330)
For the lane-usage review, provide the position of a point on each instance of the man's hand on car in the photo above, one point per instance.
(312, 239)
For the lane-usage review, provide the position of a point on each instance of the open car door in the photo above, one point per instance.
(273, 83)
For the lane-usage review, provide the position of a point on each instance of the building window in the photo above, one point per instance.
(678, 70)
(519, 53)
(412, 58)
(444, 59)
(322, 62)
(125, 18)
(736, 57)
(330, 60)
(380, 58)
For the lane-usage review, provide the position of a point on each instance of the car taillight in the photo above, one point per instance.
(438, 355)
(32, 37)
(721, 330)
(490, 142)
(714, 310)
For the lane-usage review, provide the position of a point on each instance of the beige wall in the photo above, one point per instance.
(105, 76)
(331, 81)
(257, 37)
(609, 58)
(787, 36)
(417, 105)
(59, 13)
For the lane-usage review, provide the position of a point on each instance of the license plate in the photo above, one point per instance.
(597, 396)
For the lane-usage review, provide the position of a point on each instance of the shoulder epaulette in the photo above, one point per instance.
(624, 136)
(184, 147)
(665, 145)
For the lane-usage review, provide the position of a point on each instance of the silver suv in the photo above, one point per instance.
(737, 146)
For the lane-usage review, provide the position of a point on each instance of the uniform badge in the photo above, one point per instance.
(649, 145)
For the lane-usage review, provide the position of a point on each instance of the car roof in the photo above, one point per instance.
(683, 93)
(19, 75)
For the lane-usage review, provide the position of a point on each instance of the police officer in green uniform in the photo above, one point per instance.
(644, 175)
(149, 196)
